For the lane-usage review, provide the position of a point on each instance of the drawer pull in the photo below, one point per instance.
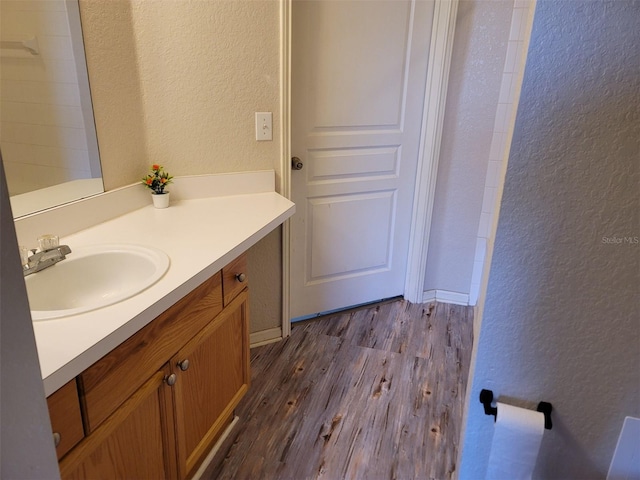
(170, 379)
(184, 364)
(241, 277)
(56, 438)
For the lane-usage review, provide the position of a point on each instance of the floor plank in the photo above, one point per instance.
(374, 393)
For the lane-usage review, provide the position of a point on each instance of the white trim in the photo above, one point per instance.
(474, 290)
(205, 463)
(445, 296)
(285, 157)
(263, 337)
(429, 153)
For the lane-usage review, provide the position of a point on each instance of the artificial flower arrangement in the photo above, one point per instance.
(157, 179)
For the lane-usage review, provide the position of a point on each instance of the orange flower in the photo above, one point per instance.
(157, 180)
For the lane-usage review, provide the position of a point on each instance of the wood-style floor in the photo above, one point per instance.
(375, 393)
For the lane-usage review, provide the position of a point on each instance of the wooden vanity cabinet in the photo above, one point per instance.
(156, 405)
(212, 376)
(111, 380)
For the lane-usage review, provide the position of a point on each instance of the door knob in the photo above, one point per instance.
(170, 379)
(184, 364)
(296, 163)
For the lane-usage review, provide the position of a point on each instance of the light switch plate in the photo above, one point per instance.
(264, 126)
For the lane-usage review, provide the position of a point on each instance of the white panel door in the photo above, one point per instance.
(358, 83)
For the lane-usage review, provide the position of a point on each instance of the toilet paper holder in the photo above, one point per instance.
(486, 397)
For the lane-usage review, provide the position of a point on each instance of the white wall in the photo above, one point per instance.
(560, 321)
(177, 83)
(512, 74)
(477, 65)
(43, 129)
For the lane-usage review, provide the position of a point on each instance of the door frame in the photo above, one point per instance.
(440, 51)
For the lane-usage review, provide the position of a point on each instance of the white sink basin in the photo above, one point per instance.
(93, 277)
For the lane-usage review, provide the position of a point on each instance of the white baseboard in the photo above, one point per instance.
(264, 337)
(205, 463)
(445, 296)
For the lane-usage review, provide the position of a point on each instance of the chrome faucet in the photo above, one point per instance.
(40, 260)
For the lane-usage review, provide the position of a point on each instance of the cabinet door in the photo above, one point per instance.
(111, 380)
(66, 419)
(212, 376)
(136, 441)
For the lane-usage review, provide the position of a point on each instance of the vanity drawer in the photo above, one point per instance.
(109, 382)
(66, 419)
(235, 278)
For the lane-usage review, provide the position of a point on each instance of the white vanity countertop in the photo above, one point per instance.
(200, 236)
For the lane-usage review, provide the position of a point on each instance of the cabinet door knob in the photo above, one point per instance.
(170, 379)
(56, 438)
(241, 277)
(184, 364)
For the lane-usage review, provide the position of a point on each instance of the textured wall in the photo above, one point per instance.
(480, 45)
(177, 82)
(265, 269)
(112, 63)
(561, 318)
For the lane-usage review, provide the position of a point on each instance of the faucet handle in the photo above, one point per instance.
(48, 241)
(24, 256)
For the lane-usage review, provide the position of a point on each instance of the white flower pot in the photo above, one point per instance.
(160, 200)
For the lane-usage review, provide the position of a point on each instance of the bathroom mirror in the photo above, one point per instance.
(48, 138)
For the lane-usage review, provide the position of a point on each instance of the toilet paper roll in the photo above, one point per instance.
(516, 442)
